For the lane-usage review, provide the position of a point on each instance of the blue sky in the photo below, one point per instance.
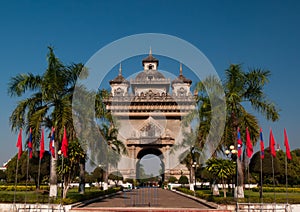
(255, 33)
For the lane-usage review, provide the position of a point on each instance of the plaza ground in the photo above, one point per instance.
(146, 197)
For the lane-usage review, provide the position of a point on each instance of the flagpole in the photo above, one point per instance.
(27, 171)
(39, 172)
(287, 156)
(248, 183)
(16, 179)
(38, 180)
(273, 179)
(237, 184)
(62, 184)
(261, 181)
(19, 145)
(286, 181)
(42, 150)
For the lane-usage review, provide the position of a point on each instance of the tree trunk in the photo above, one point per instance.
(81, 188)
(53, 178)
(240, 173)
(239, 190)
(65, 190)
(224, 188)
(53, 173)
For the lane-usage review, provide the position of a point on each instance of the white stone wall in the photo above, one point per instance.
(9, 207)
(122, 86)
(182, 86)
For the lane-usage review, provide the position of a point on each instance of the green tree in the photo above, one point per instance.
(183, 180)
(101, 134)
(71, 168)
(11, 169)
(115, 176)
(32, 168)
(140, 173)
(115, 146)
(49, 104)
(198, 140)
(2, 175)
(97, 175)
(245, 89)
(293, 168)
(172, 179)
(222, 169)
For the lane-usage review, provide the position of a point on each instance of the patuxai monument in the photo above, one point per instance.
(149, 109)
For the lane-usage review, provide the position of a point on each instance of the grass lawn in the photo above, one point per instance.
(250, 196)
(30, 196)
(280, 197)
(37, 197)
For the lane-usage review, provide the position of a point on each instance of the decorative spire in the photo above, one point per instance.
(150, 58)
(120, 70)
(180, 69)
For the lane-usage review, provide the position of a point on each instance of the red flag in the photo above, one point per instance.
(239, 142)
(19, 144)
(42, 145)
(272, 144)
(51, 143)
(287, 146)
(64, 144)
(30, 143)
(262, 146)
(249, 147)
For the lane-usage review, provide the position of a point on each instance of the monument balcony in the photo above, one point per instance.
(152, 81)
(148, 141)
(149, 108)
(129, 99)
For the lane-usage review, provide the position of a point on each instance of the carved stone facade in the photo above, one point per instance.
(149, 117)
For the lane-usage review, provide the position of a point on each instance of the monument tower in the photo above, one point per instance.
(149, 109)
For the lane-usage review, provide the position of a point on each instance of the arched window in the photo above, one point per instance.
(119, 92)
(182, 92)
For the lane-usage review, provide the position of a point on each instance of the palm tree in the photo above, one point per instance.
(222, 169)
(49, 104)
(105, 132)
(113, 145)
(200, 138)
(243, 89)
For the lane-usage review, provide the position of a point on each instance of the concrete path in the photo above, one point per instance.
(147, 197)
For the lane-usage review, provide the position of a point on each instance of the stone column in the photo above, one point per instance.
(166, 152)
(133, 157)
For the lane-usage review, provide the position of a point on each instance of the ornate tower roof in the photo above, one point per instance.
(119, 79)
(181, 78)
(150, 58)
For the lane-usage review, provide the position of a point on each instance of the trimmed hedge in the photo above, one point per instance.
(76, 197)
(72, 197)
(277, 189)
(22, 188)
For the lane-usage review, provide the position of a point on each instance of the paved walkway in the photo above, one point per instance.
(148, 197)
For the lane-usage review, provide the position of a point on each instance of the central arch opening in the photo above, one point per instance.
(150, 167)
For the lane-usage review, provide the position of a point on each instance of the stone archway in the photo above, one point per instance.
(150, 151)
(149, 110)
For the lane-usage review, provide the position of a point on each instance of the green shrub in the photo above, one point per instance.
(172, 179)
(183, 180)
